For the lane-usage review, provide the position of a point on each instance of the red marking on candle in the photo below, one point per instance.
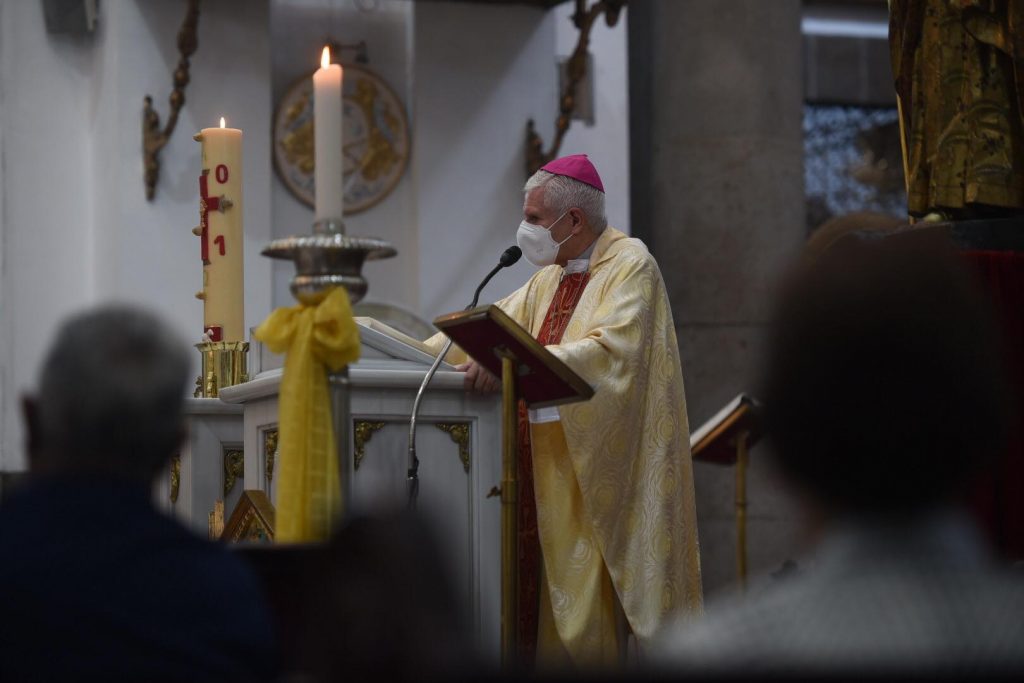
(222, 173)
(219, 241)
(206, 204)
(215, 333)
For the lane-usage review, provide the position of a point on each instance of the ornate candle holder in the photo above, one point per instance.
(326, 259)
(224, 365)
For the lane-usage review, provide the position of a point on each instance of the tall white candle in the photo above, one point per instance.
(220, 206)
(327, 136)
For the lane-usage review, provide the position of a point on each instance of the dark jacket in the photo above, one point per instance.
(95, 583)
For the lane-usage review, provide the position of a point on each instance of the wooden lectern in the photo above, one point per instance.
(530, 372)
(726, 439)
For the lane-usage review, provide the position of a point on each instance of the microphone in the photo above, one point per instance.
(508, 258)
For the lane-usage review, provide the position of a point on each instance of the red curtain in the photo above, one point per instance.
(998, 499)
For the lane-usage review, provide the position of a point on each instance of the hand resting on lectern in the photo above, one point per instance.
(478, 378)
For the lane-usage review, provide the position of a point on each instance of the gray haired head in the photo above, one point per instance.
(562, 193)
(110, 395)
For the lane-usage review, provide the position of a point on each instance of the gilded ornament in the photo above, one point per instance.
(270, 453)
(252, 519)
(459, 432)
(362, 432)
(234, 468)
(175, 477)
(958, 75)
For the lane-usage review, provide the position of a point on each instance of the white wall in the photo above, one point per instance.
(77, 229)
(481, 73)
(607, 139)
(47, 232)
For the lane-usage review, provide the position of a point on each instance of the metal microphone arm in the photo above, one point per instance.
(414, 462)
(483, 283)
(412, 474)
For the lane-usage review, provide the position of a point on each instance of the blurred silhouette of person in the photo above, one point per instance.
(374, 603)
(95, 583)
(884, 394)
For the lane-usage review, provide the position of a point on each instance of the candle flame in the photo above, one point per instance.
(222, 122)
(325, 58)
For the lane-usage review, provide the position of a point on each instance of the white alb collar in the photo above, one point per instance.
(581, 264)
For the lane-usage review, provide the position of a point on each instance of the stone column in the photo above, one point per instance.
(717, 177)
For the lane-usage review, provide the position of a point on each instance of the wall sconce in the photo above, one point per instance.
(576, 70)
(153, 137)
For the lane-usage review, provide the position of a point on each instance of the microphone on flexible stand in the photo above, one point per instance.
(509, 257)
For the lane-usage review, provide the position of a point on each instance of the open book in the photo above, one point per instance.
(714, 441)
(394, 344)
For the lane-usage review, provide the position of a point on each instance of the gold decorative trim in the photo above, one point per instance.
(270, 453)
(362, 432)
(234, 468)
(459, 431)
(175, 478)
(252, 519)
(216, 520)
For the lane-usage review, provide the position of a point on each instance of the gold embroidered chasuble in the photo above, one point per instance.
(613, 477)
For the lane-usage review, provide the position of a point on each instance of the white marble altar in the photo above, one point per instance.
(208, 467)
(458, 443)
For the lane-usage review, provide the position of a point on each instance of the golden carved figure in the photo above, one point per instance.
(957, 69)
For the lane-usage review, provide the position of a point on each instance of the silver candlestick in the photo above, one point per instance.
(326, 259)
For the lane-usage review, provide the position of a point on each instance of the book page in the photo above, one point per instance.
(389, 331)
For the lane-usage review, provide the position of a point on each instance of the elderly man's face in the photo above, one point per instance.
(536, 213)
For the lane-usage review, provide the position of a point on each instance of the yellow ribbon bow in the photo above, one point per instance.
(316, 339)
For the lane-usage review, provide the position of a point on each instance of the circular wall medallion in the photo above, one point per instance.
(375, 139)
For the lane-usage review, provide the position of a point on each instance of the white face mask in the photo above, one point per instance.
(538, 246)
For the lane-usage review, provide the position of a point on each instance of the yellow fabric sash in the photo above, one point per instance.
(316, 339)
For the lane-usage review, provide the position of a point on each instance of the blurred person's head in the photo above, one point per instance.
(110, 397)
(885, 389)
(380, 605)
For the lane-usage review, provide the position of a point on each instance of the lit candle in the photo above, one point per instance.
(220, 228)
(327, 137)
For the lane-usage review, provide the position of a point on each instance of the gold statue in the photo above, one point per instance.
(957, 67)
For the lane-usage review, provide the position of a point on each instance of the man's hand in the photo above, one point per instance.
(479, 378)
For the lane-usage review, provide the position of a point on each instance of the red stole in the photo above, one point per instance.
(560, 312)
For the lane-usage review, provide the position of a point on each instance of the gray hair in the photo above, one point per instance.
(562, 193)
(111, 393)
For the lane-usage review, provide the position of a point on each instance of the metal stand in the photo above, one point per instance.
(741, 509)
(326, 259)
(509, 515)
